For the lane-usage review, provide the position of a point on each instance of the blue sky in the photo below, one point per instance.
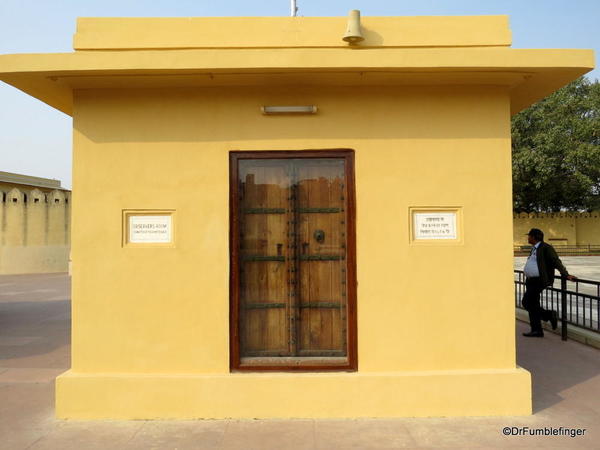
(36, 140)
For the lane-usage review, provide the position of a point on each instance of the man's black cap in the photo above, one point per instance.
(536, 233)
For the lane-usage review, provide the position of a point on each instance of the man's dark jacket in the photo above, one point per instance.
(547, 261)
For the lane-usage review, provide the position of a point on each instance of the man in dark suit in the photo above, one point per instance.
(539, 273)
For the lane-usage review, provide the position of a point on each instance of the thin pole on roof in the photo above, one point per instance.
(293, 8)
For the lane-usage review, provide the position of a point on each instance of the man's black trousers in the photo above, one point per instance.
(531, 302)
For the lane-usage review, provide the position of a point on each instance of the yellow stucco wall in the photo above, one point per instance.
(423, 348)
(107, 33)
(559, 228)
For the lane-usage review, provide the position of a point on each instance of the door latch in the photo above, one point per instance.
(319, 235)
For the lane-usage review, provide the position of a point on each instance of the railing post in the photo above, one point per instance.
(563, 307)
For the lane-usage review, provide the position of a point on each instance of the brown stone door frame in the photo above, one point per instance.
(351, 362)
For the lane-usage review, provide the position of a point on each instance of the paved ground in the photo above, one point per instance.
(34, 348)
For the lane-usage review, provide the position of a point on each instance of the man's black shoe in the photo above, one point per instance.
(534, 334)
(553, 319)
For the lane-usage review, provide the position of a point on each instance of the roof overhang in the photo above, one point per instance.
(205, 52)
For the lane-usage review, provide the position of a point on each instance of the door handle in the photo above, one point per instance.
(319, 235)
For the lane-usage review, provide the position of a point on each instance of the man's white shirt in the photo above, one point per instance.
(531, 267)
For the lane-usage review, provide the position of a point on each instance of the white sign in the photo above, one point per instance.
(435, 225)
(150, 229)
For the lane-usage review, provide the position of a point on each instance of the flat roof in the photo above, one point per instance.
(205, 52)
(16, 178)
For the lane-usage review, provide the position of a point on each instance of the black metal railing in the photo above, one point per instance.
(563, 250)
(577, 302)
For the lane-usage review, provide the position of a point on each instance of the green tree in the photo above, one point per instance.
(556, 151)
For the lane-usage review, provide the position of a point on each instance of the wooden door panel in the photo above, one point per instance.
(322, 267)
(264, 252)
(264, 235)
(321, 281)
(322, 302)
(321, 333)
(264, 208)
(321, 184)
(330, 224)
(264, 332)
(264, 282)
(265, 184)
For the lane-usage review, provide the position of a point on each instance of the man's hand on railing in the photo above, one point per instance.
(571, 278)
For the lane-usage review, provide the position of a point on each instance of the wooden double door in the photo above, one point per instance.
(293, 288)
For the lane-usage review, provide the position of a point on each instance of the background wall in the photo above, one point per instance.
(559, 228)
(34, 231)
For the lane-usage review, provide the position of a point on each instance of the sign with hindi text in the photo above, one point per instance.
(434, 225)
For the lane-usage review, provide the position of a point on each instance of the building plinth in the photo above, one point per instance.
(284, 395)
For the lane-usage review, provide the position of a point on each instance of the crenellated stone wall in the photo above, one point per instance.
(34, 231)
(563, 228)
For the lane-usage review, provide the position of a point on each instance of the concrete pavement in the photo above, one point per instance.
(34, 348)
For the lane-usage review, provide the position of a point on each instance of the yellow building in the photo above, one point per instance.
(295, 226)
(34, 224)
